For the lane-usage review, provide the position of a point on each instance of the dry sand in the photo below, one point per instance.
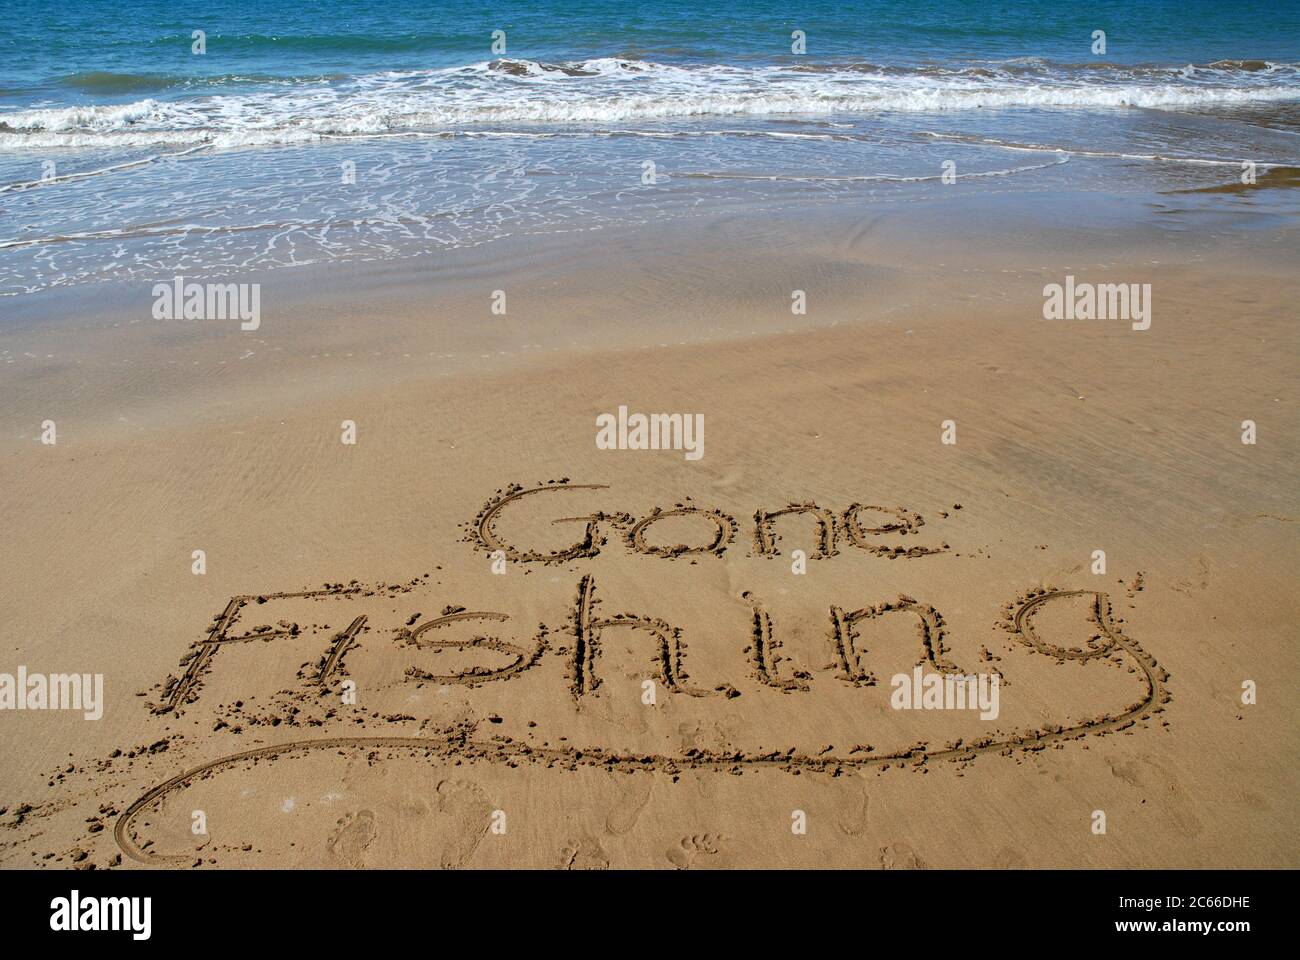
(521, 738)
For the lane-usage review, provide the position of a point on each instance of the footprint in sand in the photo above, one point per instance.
(690, 737)
(584, 854)
(1147, 775)
(355, 833)
(467, 806)
(851, 816)
(718, 736)
(706, 783)
(1197, 581)
(633, 720)
(1009, 859)
(632, 798)
(696, 851)
(899, 856)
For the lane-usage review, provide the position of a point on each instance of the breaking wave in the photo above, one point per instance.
(607, 91)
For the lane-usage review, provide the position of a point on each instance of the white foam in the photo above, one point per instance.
(606, 92)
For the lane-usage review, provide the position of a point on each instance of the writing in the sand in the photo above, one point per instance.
(583, 634)
(852, 526)
(585, 626)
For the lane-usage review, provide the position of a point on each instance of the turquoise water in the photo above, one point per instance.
(308, 132)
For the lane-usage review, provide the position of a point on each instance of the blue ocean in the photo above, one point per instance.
(141, 139)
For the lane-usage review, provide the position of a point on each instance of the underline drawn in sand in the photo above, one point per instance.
(459, 744)
(584, 636)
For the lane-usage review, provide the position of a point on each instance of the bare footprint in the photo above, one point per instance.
(694, 851)
(717, 736)
(1009, 859)
(1146, 775)
(851, 817)
(706, 782)
(634, 720)
(899, 856)
(355, 833)
(632, 798)
(584, 854)
(1197, 581)
(469, 810)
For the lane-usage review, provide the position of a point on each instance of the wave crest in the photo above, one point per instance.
(602, 91)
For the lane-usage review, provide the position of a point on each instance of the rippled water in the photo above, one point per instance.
(305, 134)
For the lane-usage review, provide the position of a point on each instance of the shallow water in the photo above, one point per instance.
(307, 134)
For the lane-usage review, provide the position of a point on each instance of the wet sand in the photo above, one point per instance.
(520, 736)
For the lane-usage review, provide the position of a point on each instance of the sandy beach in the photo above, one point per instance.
(406, 651)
